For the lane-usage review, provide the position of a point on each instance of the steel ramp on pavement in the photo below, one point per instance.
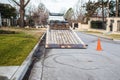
(63, 39)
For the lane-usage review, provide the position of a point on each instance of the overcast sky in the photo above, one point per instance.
(53, 5)
(59, 5)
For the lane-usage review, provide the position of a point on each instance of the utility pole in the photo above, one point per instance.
(102, 11)
(103, 24)
(108, 9)
(117, 8)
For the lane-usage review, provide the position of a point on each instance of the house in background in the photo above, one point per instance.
(110, 16)
(7, 15)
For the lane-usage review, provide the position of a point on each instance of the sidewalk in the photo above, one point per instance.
(6, 72)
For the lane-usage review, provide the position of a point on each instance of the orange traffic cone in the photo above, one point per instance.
(99, 45)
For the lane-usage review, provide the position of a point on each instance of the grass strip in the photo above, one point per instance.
(114, 36)
(14, 48)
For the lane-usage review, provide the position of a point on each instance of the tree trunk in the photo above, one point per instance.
(22, 13)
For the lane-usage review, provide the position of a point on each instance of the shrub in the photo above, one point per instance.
(7, 32)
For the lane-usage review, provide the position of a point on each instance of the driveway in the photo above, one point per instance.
(80, 64)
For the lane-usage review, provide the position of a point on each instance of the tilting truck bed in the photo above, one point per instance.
(63, 39)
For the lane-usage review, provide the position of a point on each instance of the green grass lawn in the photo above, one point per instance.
(14, 48)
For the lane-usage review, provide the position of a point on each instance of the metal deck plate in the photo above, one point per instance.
(65, 46)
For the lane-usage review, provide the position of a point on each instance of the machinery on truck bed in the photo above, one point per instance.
(60, 35)
(57, 22)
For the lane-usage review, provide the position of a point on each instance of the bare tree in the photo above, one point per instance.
(79, 11)
(22, 4)
(69, 14)
(40, 15)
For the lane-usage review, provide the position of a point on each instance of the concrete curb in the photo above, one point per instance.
(98, 36)
(116, 40)
(102, 37)
(19, 74)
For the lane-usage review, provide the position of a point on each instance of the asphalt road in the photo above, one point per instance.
(80, 64)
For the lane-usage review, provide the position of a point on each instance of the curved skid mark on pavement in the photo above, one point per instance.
(55, 59)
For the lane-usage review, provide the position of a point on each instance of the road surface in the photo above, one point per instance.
(80, 64)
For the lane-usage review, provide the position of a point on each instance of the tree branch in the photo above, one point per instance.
(26, 3)
(16, 2)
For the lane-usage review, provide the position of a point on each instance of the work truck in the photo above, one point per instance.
(60, 34)
(59, 43)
